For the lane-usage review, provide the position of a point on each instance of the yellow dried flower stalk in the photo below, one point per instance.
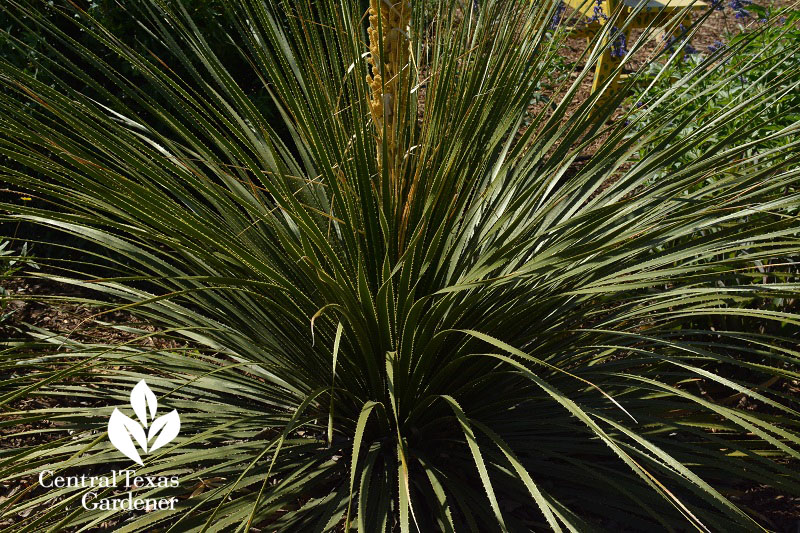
(383, 80)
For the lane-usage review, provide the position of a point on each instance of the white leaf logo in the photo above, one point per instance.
(171, 424)
(142, 398)
(123, 430)
(120, 430)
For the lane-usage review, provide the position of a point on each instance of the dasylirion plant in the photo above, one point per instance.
(408, 300)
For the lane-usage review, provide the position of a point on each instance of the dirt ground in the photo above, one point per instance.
(717, 28)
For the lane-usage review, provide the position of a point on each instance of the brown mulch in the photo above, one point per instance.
(35, 302)
(719, 26)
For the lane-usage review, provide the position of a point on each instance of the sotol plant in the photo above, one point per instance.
(402, 315)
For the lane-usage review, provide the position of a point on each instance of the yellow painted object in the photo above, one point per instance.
(654, 12)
